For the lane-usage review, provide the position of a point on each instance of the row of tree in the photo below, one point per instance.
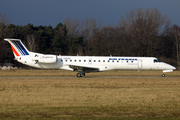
(142, 32)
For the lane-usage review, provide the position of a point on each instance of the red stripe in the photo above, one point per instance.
(16, 53)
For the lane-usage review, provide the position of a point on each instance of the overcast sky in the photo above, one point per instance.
(52, 12)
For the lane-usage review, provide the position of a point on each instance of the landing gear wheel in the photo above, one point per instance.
(79, 75)
(163, 75)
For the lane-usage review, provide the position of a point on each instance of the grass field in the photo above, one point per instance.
(89, 98)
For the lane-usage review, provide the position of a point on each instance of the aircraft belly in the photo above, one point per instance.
(125, 66)
(46, 65)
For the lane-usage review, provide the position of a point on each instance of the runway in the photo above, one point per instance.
(59, 77)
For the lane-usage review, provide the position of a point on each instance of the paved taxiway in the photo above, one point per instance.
(7, 77)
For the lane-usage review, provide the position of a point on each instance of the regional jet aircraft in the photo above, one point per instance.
(85, 64)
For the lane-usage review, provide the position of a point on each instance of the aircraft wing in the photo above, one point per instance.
(84, 68)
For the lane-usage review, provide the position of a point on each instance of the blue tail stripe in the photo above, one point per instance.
(17, 43)
(14, 42)
(26, 53)
(20, 48)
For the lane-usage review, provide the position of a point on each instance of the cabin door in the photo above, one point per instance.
(140, 66)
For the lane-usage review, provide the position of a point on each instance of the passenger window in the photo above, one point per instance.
(84, 60)
(94, 60)
(108, 60)
(113, 61)
(103, 60)
(74, 60)
(99, 61)
(89, 60)
(66, 60)
(127, 61)
(61, 60)
(117, 61)
(79, 60)
(70, 60)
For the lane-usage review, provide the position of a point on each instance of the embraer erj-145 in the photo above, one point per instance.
(85, 64)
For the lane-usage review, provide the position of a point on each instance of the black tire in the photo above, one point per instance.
(163, 75)
(79, 75)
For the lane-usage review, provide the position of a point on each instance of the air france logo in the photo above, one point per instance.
(131, 59)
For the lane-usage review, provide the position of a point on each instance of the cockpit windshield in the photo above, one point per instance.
(156, 60)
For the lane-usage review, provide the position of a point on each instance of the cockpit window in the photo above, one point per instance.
(156, 60)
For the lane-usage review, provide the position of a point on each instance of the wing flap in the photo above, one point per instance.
(84, 68)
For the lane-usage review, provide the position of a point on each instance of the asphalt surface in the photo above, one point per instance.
(9, 77)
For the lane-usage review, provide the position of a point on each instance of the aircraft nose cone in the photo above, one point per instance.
(169, 67)
(173, 68)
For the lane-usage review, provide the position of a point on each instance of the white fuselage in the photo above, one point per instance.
(102, 63)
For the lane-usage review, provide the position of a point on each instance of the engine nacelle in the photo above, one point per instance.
(45, 59)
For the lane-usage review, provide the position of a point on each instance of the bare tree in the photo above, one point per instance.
(31, 42)
(109, 41)
(177, 41)
(87, 29)
(174, 33)
(3, 19)
(80, 50)
(143, 25)
(72, 26)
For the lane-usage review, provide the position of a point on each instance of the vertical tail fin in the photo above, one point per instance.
(17, 47)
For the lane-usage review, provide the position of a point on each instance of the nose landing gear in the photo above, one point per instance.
(163, 75)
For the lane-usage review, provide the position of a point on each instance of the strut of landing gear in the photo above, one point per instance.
(163, 75)
(80, 74)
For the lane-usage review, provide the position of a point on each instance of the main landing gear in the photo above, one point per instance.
(80, 74)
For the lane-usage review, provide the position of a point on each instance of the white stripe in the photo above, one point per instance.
(21, 48)
(17, 49)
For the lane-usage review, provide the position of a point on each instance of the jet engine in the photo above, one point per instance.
(45, 58)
